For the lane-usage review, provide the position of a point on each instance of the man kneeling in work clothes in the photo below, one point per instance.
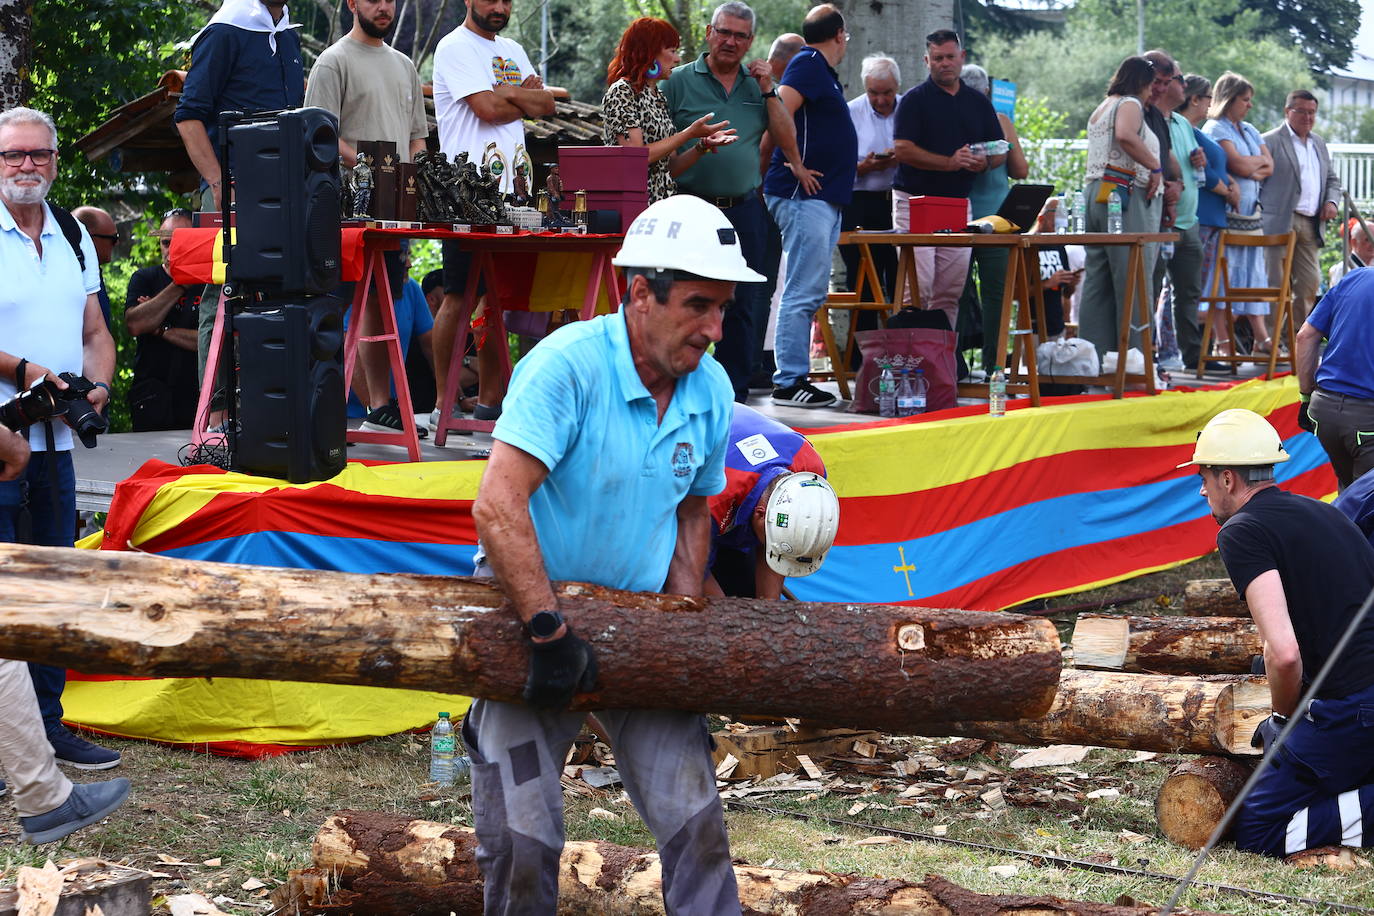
(612, 438)
(1304, 569)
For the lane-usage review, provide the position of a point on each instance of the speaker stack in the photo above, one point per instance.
(285, 258)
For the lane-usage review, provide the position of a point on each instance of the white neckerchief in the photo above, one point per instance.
(251, 16)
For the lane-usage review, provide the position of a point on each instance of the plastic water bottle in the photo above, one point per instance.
(1200, 175)
(1061, 215)
(1166, 251)
(906, 395)
(991, 147)
(442, 751)
(1114, 214)
(1078, 216)
(920, 387)
(887, 392)
(997, 392)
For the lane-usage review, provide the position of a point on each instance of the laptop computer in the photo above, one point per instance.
(1022, 204)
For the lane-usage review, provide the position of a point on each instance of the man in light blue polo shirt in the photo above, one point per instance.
(50, 322)
(613, 436)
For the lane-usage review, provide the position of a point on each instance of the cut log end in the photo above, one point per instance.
(1194, 797)
(1166, 645)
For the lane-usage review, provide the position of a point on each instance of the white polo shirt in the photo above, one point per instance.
(43, 306)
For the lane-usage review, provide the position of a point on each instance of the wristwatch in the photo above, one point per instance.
(544, 624)
(771, 93)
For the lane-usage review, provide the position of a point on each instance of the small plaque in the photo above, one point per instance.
(505, 230)
(462, 227)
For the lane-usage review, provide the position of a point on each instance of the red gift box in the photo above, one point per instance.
(627, 203)
(604, 168)
(931, 214)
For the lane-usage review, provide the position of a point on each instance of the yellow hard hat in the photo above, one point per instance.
(1237, 438)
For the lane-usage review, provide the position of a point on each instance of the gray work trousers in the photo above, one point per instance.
(664, 759)
(1345, 428)
(1104, 276)
(24, 749)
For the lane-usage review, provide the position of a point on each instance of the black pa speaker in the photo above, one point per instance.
(286, 199)
(291, 412)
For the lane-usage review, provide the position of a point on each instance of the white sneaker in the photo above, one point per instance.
(1172, 364)
(456, 414)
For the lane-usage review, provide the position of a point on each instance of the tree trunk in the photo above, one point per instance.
(869, 666)
(386, 865)
(896, 28)
(1195, 795)
(1166, 645)
(1143, 712)
(15, 50)
(1213, 598)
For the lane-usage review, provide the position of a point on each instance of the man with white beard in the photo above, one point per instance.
(50, 322)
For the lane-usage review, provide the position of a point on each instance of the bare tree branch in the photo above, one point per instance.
(433, 38)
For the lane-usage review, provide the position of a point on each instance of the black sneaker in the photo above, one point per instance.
(761, 381)
(384, 419)
(75, 751)
(803, 394)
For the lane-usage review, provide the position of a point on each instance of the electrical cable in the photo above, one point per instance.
(1270, 752)
(1038, 857)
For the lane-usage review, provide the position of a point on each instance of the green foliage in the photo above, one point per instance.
(1324, 28)
(1347, 124)
(1043, 133)
(1204, 36)
(91, 56)
(144, 251)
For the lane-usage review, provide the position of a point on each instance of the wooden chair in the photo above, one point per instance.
(868, 297)
(1222, 294)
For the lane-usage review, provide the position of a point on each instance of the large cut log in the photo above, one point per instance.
(1166, 645)
(1213, 598)
(1195, 795)
(1146, 712)
(386, 865)
(858, 665)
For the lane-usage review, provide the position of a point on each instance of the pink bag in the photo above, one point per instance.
(906, 348)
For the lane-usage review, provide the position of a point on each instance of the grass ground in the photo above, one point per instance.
(255, 820)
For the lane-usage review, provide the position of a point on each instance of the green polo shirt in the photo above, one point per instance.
(731, 171)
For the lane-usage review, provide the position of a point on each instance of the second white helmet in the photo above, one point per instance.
(800, 523)
(685, 233)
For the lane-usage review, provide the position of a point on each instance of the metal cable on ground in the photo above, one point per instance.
(1081, 864)
(1298, 712)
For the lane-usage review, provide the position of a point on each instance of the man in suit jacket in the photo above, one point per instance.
(1301, 195)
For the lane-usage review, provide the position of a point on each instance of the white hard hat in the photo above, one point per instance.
(1237, 438)
(800, 523)
(688, 234)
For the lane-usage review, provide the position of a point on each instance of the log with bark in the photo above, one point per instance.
(856, 665)
(1166, 645)
(387, 865)
(1213, 598)
(1145, 712)
(1195, 795)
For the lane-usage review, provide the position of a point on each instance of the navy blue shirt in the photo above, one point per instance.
(234, 69)
(825, 133)
(941, 123)
(1357, 503)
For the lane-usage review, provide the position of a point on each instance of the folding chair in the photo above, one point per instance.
(1222, 294)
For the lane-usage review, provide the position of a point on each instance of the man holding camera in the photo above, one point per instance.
(52, 324)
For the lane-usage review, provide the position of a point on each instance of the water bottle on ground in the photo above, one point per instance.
(887, 392)
(442, 751)
(997, 392)
(906, 395)
(1114, 214)
(920, 387)
(1078, 216)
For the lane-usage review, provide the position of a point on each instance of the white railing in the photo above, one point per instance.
(1353, 163)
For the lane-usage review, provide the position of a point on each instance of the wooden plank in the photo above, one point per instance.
(765, 751)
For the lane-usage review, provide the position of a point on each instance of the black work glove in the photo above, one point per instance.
(1305, 419)
(559, 669)
(1268, 731)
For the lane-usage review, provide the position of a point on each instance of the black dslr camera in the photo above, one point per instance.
(46, 401)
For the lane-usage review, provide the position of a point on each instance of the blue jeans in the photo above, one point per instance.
(48, 527)
(740, 329)
(810, 231)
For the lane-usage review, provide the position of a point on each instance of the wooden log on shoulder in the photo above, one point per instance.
(1144, 712)
(1166, 645)
(1213, 598)
(854, 665)
(387, 865)
(1195, 795)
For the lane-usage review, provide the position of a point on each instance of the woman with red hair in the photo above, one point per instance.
(635, 113)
